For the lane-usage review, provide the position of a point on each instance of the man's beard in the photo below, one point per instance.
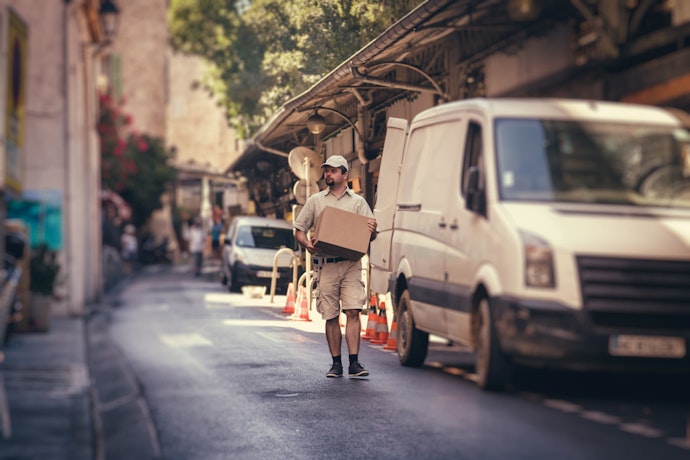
(330, 182)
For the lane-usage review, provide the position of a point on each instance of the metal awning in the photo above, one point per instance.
(402, 60)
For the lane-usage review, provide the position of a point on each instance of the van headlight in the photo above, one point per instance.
(539, 270)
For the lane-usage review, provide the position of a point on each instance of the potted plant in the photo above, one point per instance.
(43, 270)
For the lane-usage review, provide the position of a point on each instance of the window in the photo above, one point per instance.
(265, 237)
(473, 154)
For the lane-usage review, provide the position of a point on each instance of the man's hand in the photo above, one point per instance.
(302, 239)
(371, 223)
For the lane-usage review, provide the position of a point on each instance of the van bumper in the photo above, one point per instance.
(544, 334)
(248, 275)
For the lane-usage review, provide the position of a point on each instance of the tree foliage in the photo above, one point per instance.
(133, 165)
(270, 51)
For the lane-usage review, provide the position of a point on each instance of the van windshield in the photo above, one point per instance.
(264, 237)
(607, 163)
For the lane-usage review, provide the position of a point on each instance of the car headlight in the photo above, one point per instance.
(239, 256)
(539, 269)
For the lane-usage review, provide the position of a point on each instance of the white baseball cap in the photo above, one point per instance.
(336, 161)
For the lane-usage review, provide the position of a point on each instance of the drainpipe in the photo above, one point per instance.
(66, 200)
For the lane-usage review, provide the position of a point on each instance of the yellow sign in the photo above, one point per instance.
(16, 101)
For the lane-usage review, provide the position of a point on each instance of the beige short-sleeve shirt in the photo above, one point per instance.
(348, 201)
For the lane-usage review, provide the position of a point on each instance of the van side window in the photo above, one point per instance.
(473, 154)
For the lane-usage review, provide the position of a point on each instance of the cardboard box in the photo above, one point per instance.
(342, 234)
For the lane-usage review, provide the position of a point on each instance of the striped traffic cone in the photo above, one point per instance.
(392, 343)
(382, 327)
(290, 301)
(303, 307)
(301, 293)
(372, 321)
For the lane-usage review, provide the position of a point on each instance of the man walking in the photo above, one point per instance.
(339, 280)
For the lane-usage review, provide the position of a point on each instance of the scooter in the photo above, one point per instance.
(152, 253)
(10, 304)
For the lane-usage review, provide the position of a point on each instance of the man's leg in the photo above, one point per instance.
(352, 331)
(333, 336)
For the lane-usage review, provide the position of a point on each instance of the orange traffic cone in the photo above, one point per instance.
(372, 308)
(392, 343)
(372, 303)
(372, 320)
(298, 302)
(382, 327)
(303, 307)
(290, 301)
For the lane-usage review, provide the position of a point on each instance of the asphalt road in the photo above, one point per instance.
(227, 377)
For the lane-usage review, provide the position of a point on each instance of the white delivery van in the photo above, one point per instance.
(539, 232)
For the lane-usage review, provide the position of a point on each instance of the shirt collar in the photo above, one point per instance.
(348, 191)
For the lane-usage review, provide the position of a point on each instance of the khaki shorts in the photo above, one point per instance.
(339, 285)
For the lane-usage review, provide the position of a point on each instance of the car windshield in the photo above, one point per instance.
(607, 163)
(264, 237)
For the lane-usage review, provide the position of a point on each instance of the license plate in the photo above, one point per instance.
(647, 346)
(265, 274)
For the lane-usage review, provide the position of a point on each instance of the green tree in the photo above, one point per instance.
(133, 165)
(274, 50)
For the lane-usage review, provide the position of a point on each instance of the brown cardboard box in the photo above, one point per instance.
(342, 233)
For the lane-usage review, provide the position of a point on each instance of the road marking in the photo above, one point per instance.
(641, 429)
(184, 340)
(680, 442)
(304, 326)
(282, 337)
(563, 406)
(600, 417)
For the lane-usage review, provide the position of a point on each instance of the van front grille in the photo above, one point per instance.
(636, 293)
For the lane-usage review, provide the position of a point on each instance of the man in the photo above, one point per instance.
(339, 280)
(197, 242)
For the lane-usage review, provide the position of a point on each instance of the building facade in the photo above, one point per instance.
(58, 156)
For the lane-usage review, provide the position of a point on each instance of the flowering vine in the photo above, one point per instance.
(134, 165)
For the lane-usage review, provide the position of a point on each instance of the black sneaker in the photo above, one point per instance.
(335, 371)
(357, 370)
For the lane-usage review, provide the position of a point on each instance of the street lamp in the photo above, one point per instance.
(109, 14)
(316, 123)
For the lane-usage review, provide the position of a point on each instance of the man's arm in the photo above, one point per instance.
(302, 239)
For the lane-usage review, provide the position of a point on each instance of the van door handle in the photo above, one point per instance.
(442, 224)
(454, 225)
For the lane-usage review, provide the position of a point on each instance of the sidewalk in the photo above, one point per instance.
(48, 391)
(71, 395)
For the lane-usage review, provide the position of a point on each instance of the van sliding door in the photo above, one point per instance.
(468, 233)
(431, 160)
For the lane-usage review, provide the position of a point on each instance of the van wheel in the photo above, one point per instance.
(412, 343)
(494, 370)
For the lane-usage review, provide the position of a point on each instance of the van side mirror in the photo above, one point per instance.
(475, 200)
(227, 241)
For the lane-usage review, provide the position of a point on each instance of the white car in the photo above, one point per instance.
(249, 248)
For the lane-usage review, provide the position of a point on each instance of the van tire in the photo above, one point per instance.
(413, 344)
(493, 368)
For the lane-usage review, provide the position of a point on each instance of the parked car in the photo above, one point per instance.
(249, 249)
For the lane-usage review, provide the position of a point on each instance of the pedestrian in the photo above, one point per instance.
(216, 231)
(197, 243)
(339, 280)
(130, 247)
